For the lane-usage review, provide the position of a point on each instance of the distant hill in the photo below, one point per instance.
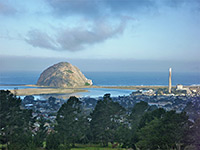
(63, 74)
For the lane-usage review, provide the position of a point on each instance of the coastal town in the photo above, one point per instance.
(45, 102)
(180, 99)
(48, 106)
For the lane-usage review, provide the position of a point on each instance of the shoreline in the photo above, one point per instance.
(71, 90)
(132, 87)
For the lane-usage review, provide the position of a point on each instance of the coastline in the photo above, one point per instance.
(71, 90)
(134, 87)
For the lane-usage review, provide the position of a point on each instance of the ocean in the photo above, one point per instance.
(111, 78)
(11, 80)
(142, 78)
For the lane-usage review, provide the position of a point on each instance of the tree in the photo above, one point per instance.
(52, 141)
(149, 116)
(106, 118)
(29, 99)
(123, 135)
(166, 132)
(41, 134)
(137, 112)
(70, 122)
(15, 122)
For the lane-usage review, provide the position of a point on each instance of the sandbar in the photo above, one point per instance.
(39, 91)
(50, 90)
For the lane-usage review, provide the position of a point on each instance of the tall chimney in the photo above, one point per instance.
(170, 80)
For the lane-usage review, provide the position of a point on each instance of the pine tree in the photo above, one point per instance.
(106, 118)
(15, 122)
(71, 122)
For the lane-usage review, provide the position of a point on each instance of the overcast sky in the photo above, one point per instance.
(100, 35)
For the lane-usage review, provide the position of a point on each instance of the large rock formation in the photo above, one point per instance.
(64, 75)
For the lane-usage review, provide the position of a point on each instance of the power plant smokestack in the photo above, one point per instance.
(170, 80)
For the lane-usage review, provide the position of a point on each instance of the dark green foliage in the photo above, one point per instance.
(87, 84)
(69, 71)
(29, 99)
(123, 135)
(15, 122)
(40, 135)
(130, 137)
(52, 141)
(149, 116)
(72, 125)
(145, 128)
(106, 118)
(164, 132)
(137, 112)
(156, 129)
(22, 142)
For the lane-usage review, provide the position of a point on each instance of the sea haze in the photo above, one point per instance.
(110, 78)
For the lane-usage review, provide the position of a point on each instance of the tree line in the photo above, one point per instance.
(145, 127)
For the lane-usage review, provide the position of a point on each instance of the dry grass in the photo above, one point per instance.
(37, 91)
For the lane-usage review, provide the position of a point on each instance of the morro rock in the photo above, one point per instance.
(63, 75)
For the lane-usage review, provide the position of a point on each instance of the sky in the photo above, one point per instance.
(100, 35)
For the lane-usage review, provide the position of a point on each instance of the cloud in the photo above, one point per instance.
(6, 9)
(129, 5)
(78, 38)
(95, 8)
(76, 7)
(40, 39)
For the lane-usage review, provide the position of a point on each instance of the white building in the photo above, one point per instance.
(179, 87)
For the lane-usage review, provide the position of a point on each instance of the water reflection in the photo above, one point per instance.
(92, 92)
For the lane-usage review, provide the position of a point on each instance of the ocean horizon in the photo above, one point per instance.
(110, 78)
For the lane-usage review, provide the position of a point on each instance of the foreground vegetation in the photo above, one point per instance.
(108, 126)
